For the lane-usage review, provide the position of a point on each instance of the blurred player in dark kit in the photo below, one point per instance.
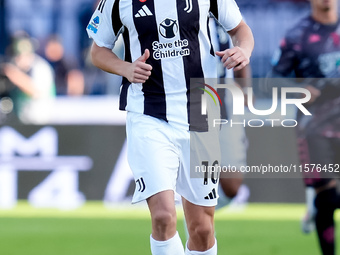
(311, 51)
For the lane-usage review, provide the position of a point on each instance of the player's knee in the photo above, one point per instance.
(163, 219)
(202, 231)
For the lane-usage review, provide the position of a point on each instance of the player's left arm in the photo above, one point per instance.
(238, 56)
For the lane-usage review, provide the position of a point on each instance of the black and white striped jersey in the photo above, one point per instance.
(176, 33)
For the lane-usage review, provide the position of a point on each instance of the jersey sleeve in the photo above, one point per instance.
(100, 27)
(227, 13)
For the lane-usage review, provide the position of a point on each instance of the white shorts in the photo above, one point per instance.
(159, 157)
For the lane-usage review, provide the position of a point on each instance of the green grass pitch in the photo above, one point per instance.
(124, 230)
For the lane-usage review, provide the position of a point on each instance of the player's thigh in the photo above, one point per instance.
(162, 208)
(162, 201)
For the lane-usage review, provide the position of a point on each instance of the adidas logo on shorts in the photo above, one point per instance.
(211, 195)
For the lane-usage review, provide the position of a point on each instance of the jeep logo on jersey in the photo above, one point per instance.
(168, 28)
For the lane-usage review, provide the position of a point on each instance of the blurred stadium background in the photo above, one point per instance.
(65, 185)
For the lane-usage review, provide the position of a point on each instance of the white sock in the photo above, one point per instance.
(211, 251)
(171, 246)
(310, 197)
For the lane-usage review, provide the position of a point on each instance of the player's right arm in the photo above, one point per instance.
(136, 72)
(103, 28)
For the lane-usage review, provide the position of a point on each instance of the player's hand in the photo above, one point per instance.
(314, 92)
(139, 71)
(233, 58)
